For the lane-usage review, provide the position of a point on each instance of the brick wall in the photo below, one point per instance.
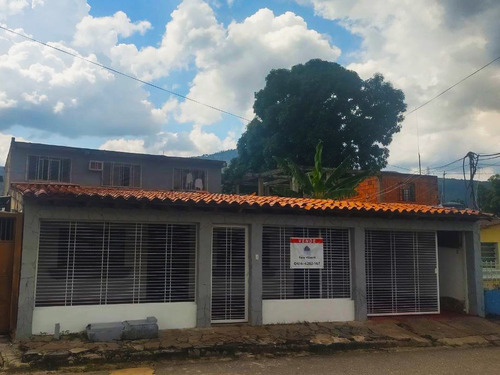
(426, 188)
(387, 188)
(368, 190)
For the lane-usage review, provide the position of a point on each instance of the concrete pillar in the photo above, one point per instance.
(358, 273)
(255, 279)
(474, 271)
(26, 302)
(204, 275)
(260, 186)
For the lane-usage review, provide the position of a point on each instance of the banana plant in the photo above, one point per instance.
(321, 183)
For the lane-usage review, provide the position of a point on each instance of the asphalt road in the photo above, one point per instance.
(426, 362)
(430, 361)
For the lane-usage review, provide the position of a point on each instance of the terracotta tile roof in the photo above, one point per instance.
(205, 199)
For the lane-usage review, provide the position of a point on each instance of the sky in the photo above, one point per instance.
(219, 52)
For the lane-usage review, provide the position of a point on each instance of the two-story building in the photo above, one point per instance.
(40, 163)
(116, 236)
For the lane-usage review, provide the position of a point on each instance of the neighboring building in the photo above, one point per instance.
(399, 187)
(192, 259)
(385, 187)
(490, 244)
(40, 163)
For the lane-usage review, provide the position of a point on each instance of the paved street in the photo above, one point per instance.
(428, 361)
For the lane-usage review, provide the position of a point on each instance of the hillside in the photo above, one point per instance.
(455, 189)
(221, 155)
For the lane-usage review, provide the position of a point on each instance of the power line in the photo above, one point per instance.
(123, 74)
(398, 167)
(494, 154)
(446, 165)
(452, 86)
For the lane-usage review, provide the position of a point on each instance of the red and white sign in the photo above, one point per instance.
(306, 253)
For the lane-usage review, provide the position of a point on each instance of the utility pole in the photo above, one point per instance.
(443, 189)
(473, 160)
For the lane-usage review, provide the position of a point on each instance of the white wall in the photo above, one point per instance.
(452, 281)
(76, 318)
(307, 310)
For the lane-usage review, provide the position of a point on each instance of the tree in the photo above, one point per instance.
(489, 197)
(355, 118)
(320, 183)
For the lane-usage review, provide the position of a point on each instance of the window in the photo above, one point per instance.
(190, 179)
(119, 174)
(407, 193)
(7, 226)
(99, 263)
(45, 168)
(282, 282)
(489, 256)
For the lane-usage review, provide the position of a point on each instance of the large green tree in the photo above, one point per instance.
(489, 197)
(355, 118)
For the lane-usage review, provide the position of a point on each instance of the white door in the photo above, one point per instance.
(229, 274)
(401, 272)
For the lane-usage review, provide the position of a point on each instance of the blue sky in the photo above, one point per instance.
(219, 52)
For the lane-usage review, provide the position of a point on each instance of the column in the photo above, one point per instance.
(204, 274)
(474, 271)
(358, 273)
(255, 279)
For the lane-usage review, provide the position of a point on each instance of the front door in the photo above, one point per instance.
(6, 271)
(229, 274)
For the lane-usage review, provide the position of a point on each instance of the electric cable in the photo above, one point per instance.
(115, 71)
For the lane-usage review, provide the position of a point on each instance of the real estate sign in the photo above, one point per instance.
(306, 253)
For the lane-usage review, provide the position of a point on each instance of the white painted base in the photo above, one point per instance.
(76, 318)
(307, 310)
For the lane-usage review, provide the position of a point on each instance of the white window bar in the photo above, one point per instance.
(95, 263)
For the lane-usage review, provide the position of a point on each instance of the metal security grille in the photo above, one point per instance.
(96, 263)
(401, 272)
(45, 168)
(229, 275)
(119, 174)
(7, 228)
(282, 282)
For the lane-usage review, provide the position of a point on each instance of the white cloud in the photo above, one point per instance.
(196, 142)
(5, 140)
(11, 7)
(39, 82)
(34, 97)
(231, 62)
(423, 47)
(125, 145)
(5, 102)
(100, 34)
(230, 74)
(166, 143)
(46, 90)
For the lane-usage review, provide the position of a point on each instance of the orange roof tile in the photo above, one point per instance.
(228, 200)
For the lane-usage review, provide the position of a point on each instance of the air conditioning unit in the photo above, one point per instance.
(95, 165)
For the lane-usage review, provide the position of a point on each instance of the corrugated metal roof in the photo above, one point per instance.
(206, 199)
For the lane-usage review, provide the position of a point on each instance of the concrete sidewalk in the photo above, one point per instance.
(240, 340)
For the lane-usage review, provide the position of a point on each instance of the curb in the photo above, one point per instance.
(53, 360)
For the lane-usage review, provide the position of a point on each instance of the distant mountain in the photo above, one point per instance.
(226, 156)
(454, 189)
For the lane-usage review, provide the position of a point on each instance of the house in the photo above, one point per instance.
(390, 186)
(99, 253)
(490, 240)
(384, 187)
(32, 162)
